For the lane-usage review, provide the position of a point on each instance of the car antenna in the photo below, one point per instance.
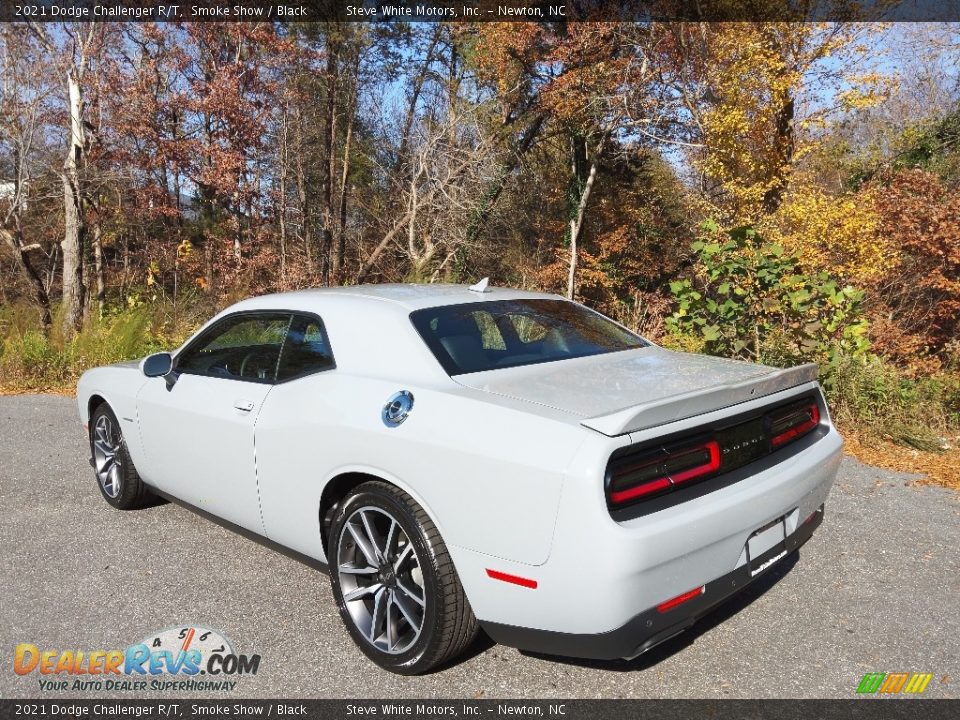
(481, 287)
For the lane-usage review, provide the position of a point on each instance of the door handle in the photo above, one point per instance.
(244, 405)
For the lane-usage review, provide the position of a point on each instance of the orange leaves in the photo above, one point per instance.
(572, 73)
(921, 216)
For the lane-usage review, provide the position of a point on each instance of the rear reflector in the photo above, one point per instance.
(813, 515)
(514, 579)
(680, 599)
(791, 425)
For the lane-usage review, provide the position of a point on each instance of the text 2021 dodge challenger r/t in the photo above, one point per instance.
(464, 458)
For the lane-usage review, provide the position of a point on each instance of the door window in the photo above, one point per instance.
(241, 347)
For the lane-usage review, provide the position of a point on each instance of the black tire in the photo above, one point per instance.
(448, 625)
(132, 493)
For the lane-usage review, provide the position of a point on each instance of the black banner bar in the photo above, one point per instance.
(853, 709)
(393, 11)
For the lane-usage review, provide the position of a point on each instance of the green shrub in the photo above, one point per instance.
(750, 299)
(878, 399)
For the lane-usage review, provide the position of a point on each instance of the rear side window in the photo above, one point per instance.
(307, 349)
(474, 337)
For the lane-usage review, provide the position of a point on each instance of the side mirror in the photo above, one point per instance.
(157, 365)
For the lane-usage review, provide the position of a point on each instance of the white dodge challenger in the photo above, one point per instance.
(463, 458)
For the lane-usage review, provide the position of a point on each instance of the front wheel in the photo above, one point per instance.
(117, 477)
(394, 582)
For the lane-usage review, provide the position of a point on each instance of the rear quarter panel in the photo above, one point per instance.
(489, 475)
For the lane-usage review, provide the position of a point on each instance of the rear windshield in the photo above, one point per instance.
(507, 333)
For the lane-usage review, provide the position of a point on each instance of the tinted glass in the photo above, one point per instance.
(506, 333)
(242, 347)
(307, 349)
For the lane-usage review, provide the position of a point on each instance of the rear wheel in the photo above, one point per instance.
(395, 585)
(117, 477)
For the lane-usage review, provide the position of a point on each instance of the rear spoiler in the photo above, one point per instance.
(697, 402)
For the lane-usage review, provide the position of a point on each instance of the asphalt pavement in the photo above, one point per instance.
(875, 590)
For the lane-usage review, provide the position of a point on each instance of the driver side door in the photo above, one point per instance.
(197, 424)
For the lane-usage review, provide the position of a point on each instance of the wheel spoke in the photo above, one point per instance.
(373, 535)
(363, 543)
(353, 570)
(105, 448)
(379, 579)
(391, 626)
(409, 593)
(377, 620)
(114, 475)
(401, 558)
(409, 611)
(362, 591)
(104, 464)
(391, 537)
(107, 441)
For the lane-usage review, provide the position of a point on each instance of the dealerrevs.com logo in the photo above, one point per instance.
(187, 657)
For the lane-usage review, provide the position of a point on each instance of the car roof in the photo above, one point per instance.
(368, 325)
(409, 296)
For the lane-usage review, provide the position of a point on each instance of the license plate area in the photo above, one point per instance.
(766, 545)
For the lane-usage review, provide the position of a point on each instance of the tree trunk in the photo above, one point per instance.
(341, 246)
(773, 197)
(579, 152)
(74, 227)
(304, 198)
(328, 165)
(496, 188)
(282, 199)
(385, 241)
(341, 239)
(96, 240)
(21, 253)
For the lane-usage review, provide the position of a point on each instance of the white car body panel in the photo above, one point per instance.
(448, 467)
(202, 444)
(508, 463)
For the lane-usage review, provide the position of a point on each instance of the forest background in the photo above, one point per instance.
(776, 192)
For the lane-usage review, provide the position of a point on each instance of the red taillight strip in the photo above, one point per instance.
(646, 488)
(712, 465)
(515, 579)
(662, 483)
(797, 430)
(680, 599)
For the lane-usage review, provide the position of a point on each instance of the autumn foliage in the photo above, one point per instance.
(778, 192)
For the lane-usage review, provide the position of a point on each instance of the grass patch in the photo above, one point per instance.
(31, 360)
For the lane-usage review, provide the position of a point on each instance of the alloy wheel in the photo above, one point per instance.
(107, 442)
(381, 580)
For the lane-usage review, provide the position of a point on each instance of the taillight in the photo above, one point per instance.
(793, 423)
(662, 470)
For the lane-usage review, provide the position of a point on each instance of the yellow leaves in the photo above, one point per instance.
(870, 89)
(184, 249)
(153, 273)
(839, 233)
(774, 92)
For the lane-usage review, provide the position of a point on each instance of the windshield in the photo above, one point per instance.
(506, 333)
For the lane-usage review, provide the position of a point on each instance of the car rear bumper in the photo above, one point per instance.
(653, 626)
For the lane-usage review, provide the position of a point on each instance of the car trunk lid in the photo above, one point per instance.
(632, 390)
